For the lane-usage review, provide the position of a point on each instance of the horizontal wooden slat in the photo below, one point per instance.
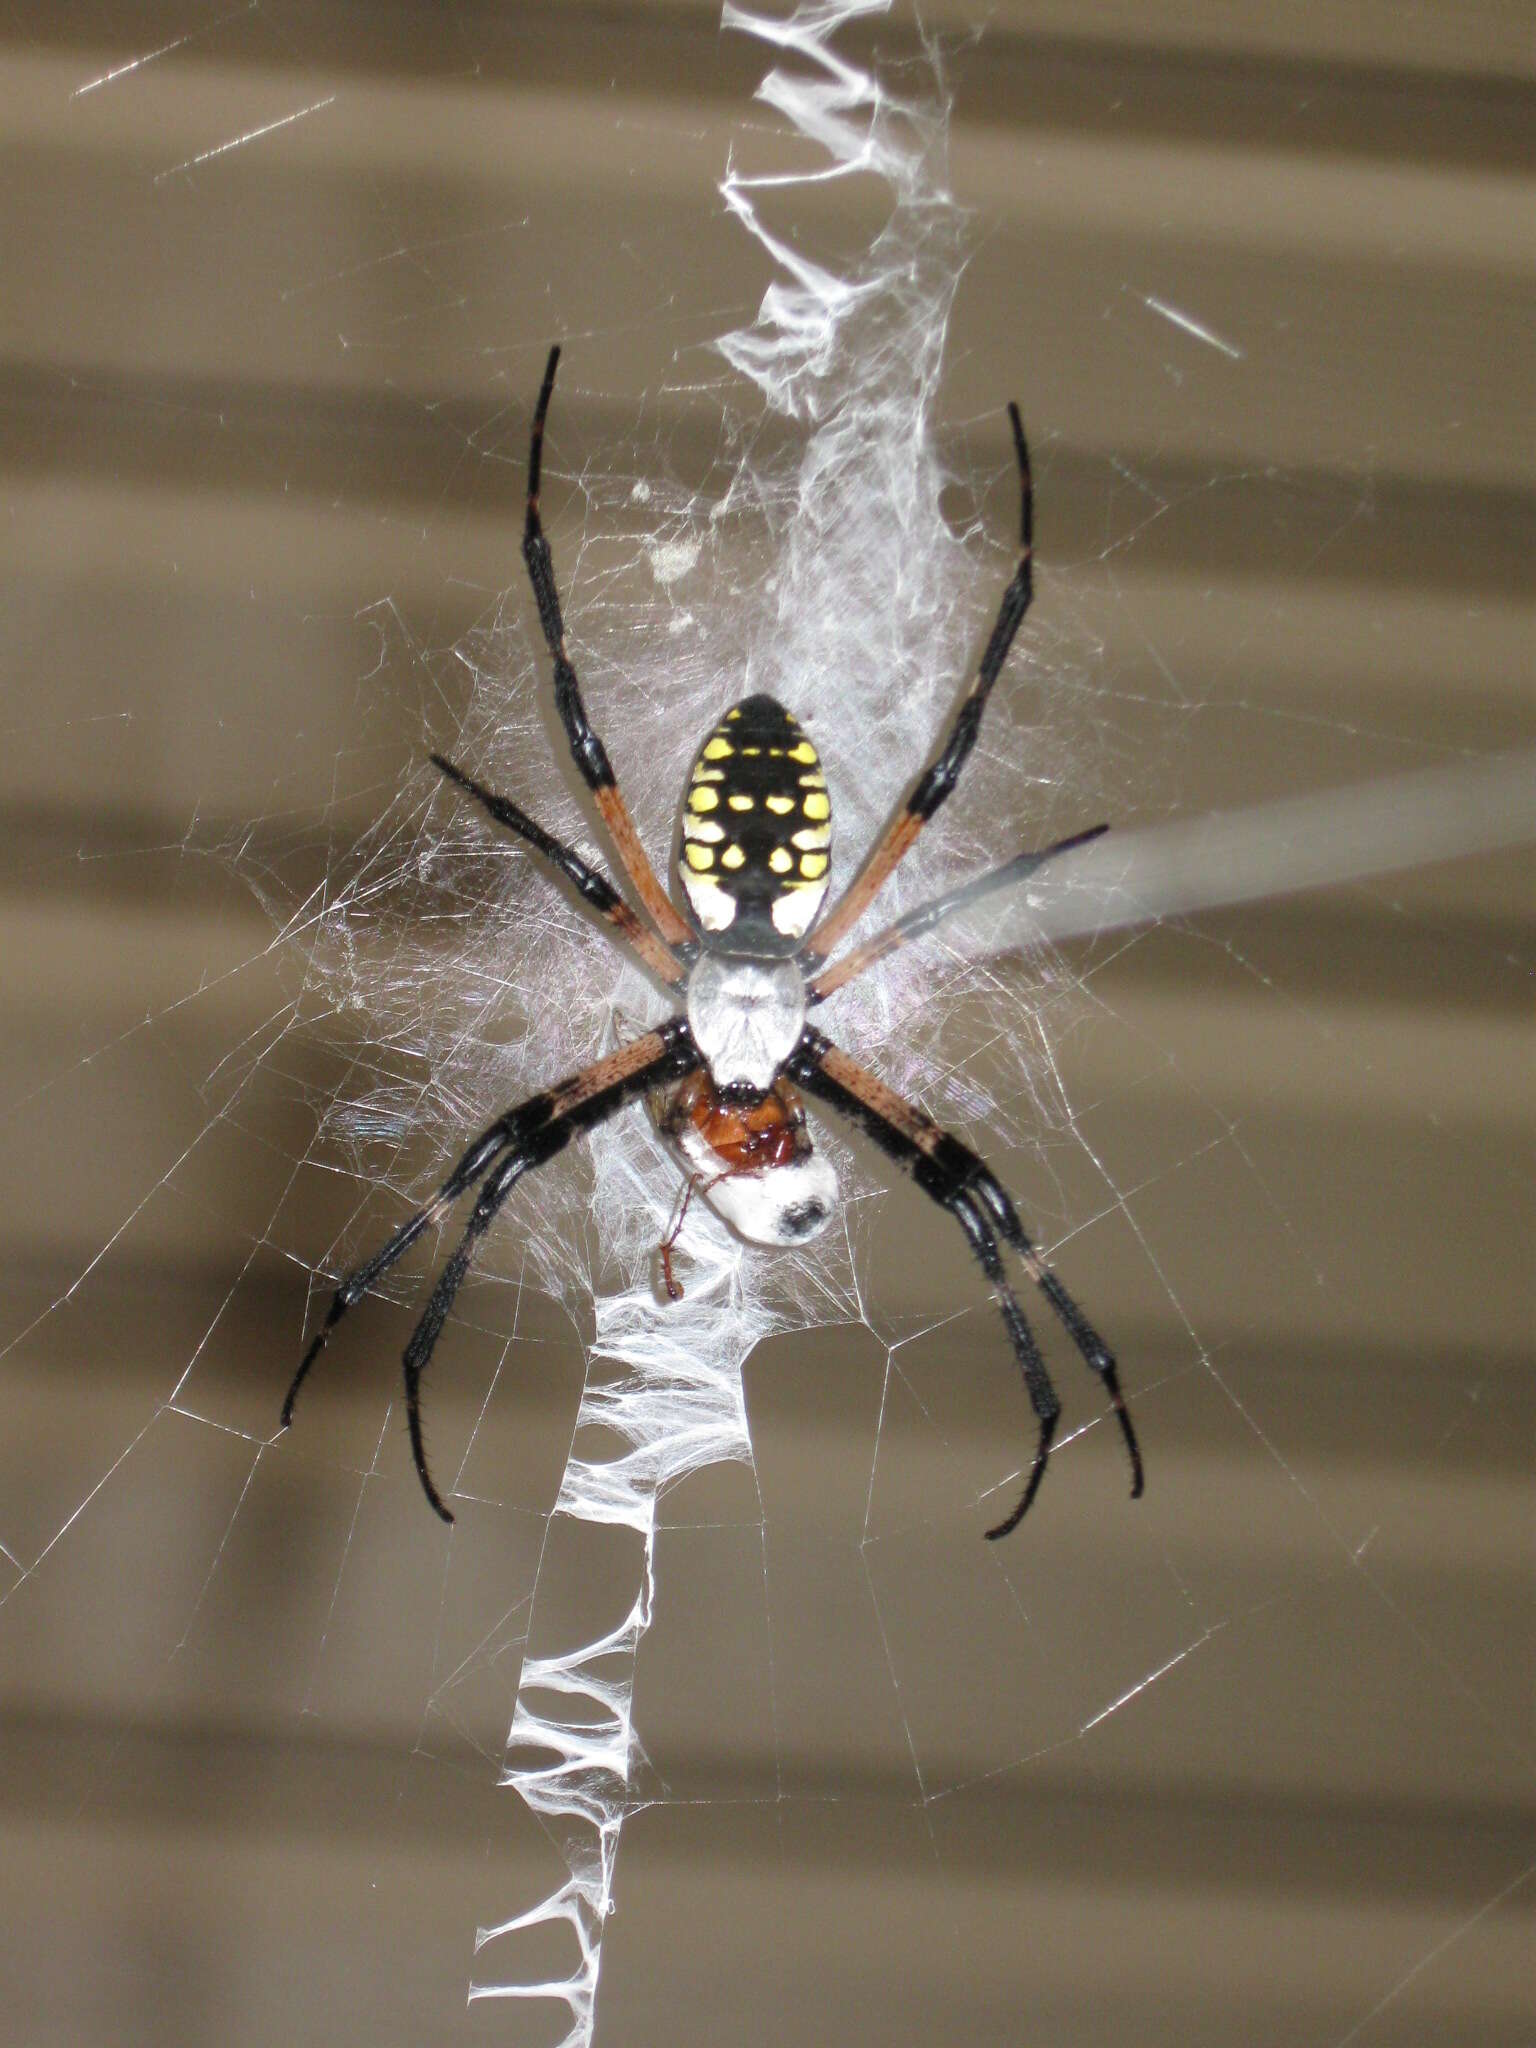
(1246, 1759)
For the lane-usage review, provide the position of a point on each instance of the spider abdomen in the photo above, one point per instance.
(757, 830)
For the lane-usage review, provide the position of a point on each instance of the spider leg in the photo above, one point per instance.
(1037, 1381)
(418, 1352)
(530, 1134)
(590, 883)
(937, 782)
(354, 1285)
(586, 748)
(922, 920)
(959, 1181)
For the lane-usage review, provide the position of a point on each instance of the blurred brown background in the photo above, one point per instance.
(252, 1705)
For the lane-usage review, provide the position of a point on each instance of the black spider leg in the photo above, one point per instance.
(587, 749)
(937, 782)
(1037, 1381)
(960, 1181)
(530, 1134)
(916, 923)
(354, 1285)
(590, 883)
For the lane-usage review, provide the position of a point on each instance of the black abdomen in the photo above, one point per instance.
(757, 830)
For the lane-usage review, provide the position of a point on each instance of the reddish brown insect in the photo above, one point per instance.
(754, 1162)
(769, 1133)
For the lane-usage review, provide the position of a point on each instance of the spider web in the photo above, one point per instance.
(713, 1702)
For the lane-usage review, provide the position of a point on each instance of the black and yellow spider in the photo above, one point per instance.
(722, 1076)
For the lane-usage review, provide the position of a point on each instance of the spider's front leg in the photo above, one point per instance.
(527, 1136)
(958, 1180)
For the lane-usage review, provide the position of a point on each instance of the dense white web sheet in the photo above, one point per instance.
(443, 978)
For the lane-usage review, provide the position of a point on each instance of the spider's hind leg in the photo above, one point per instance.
(936, 784)
(589, 882)
(587, 749)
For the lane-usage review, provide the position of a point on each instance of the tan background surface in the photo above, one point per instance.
(251, 1706)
